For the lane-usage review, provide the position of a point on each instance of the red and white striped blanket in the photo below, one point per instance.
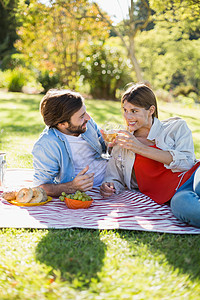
(129, 211)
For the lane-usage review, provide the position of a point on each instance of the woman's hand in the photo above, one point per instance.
(140, 145)
(128, 141)
(107, 189)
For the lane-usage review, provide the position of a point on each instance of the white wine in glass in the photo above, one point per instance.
(109, 134)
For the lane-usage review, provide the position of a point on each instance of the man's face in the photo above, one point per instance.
(77, 124)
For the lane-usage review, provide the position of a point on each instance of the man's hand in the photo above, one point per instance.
(107, 189)
(83, 182)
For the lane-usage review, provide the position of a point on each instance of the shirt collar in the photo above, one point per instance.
(59, 134)
(155, 128)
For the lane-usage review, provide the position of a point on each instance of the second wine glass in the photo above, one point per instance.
(124, 129)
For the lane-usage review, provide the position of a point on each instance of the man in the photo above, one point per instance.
(67, 155)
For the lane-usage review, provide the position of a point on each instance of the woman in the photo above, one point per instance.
(155, 156)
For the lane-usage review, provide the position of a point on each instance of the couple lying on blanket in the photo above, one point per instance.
(156, 157)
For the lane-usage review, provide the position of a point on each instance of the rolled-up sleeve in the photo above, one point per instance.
(182, 150)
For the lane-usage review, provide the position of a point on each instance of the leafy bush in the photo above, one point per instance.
(48, 80)
(13, 61)
(194, 96)
(15, 80)
(106, 69)
(184, 90)
(187, 101)
(2, 81)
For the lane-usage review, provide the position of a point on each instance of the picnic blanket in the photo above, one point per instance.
(128, 210)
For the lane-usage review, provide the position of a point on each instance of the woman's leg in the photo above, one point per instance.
(185, 204)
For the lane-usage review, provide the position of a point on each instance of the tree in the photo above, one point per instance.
(182, 13)
(173, 44)
(51, 38)
(161, 6)
(168, 57)
(8, 26)
(138, 19)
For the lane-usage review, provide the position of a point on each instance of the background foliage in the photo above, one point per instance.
(74, 44)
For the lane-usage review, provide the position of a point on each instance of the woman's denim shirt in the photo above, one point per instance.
(52, 157)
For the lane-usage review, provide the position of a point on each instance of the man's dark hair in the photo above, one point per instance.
(58, 106)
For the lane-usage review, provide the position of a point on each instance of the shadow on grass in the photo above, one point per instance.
(182, 252)
(77, 254)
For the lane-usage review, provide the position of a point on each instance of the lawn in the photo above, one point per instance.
(90, 264)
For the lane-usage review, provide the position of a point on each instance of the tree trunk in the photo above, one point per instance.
(130, 46)
(134, 60)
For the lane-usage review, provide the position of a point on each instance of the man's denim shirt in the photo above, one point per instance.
(52, 157)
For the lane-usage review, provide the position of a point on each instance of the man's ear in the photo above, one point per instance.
(152, 109)
(63, 125)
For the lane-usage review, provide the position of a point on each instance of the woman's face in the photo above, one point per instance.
(136, 117)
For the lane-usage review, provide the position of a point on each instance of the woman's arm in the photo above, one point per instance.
(115, 172)
(175, 143)
(130, 142)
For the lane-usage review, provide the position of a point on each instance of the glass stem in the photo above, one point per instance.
(107, 151)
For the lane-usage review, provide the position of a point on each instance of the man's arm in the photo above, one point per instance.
(82, 182)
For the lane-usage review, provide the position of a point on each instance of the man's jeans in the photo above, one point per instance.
(185, 204)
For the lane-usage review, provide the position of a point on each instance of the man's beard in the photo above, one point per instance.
(76, 129)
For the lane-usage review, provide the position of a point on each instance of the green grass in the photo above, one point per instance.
(90, 264)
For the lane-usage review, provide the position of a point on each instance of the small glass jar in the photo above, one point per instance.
(2, 169)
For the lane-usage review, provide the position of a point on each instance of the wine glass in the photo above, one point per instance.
(109, 134)
(121, 127)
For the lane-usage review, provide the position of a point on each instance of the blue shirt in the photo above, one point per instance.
(52, 157)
